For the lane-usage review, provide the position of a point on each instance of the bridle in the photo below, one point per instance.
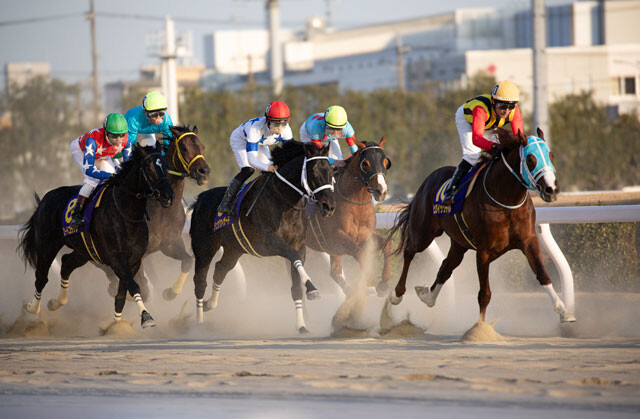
(177, 153)
(307, 193)
(527, 179)
(363, 176)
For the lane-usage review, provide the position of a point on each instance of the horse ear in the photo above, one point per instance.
(195, 129)
(309, 149)
(360, 145)
(382, 141)
(540, 133)
(522, 138)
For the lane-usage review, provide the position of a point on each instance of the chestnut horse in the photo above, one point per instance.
(499, 214)
(353, 225)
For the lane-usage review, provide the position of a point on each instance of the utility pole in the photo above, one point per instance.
(400, 51)
(273, 12)
(91, 16)
(540, 108)
(168, 71)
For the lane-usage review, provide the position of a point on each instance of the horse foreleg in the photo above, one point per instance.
(429, 295)
(223, 266)
(70, 262)
(296, 295)
(337, 274)
(531, 249)
(176, 250)
(385, 246)
(127, 275)
(120, 300)
(483, 260)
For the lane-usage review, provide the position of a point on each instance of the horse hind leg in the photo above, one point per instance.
(70, 262)
(177, 251)
(337, 274)
(385, 277)
(296, 295)
(429, 295)
(46, 255)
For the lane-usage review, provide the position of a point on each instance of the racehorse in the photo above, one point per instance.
(270, 222)
(353, 225)
(497, 217)
(184, 158)
(118, 233)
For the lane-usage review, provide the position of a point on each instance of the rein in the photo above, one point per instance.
(308, 193)
(186, 166)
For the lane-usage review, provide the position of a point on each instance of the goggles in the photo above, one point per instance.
(113, 136)
(506, 105)
(278, 123)
(155, 114)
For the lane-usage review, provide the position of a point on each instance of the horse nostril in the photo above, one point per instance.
(549, 190)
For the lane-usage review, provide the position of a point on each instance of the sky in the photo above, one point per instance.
(122, 25)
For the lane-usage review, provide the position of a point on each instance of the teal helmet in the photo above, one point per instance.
(115, 123)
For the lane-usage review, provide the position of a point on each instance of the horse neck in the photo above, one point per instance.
(502, 184)
(292, 171)
(350, 184)
(133, 183)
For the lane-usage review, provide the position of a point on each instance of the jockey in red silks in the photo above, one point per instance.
(250, 145)
(329, 127)
(93, 152)
(478, 115)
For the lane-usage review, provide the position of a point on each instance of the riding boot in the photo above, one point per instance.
(77, 217)
(226, 206)
(461, 170)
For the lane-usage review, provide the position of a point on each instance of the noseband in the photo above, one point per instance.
(186, 166)
(364, 177)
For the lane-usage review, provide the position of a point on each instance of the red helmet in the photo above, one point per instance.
(277, 111)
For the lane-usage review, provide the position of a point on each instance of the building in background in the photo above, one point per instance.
(18, 74)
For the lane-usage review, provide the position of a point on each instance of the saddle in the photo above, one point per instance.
(464, 189)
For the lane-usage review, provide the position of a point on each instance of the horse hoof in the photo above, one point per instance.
(209, 305)
(146, 320)
(53, 304)
(313, 295)
(168, 294)
(28, 307)
(394, 299)
(567, 318)
(425, 295)
(303, 330)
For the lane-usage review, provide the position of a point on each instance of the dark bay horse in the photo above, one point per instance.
(353, 225)
(275, 226)
(184, 158)
(118, 230)
(499, 214)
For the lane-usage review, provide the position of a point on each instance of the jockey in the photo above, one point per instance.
(250, 144)
(148, 119)
(330, 126)
(475, 117)
(93, 152)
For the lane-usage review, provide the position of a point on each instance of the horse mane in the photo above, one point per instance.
(506, 142)
(136, 156)
(287, 152)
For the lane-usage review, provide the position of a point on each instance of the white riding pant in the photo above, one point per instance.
(470, 152)
(146, 140)
(104, 165)
(334, 146)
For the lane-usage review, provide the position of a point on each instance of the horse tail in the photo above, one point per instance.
(401, 224)
(27, 246)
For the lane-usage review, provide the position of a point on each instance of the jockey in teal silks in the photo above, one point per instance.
(328, 127)
(148, 119)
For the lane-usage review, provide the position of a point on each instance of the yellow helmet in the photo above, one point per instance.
(154, 101)
(505, 91)
(335, 117)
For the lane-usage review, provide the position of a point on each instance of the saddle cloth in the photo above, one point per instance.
(67, 228)
(465, 188)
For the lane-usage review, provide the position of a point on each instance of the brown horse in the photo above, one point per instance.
(499, 214)
(353, 225)
(184, 158)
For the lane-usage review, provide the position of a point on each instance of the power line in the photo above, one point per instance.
(40, 19)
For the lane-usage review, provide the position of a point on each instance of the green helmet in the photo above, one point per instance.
(115, 123)
(335, 116)
(154, 101)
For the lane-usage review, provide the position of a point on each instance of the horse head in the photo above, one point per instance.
(536, 162)
(373, 164)
(319, 178)
(154, 172)
(186, 154)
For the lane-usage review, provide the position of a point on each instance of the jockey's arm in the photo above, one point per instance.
(126, 150)
(350, 137)
(253, 150)
(89, 165)
(516, 122)
(477, 128)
